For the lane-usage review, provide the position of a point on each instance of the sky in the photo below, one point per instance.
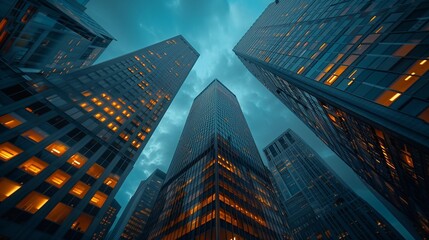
(213, 28)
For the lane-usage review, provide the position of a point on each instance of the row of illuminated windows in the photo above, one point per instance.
(34, 201)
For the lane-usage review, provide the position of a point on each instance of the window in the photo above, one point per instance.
(79, 190)
(111, 181)
(57, 148)
(58, 178)
(11, 120)
(387, 98)
(35, 135)
(33, 166)
(58, 122)
(59, 213)
(8, 151)
(38, 108)
(98, 199)
(425, 115)
(7, 188)
(95, 171)
(32, 202)
(77, 160)
(82, 223)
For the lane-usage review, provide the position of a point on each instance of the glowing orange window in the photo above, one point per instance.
(57, 148)
(33, 166)
(98, 199)
(8, 151)
(59, 213)
(11, 120)
(95, 171)
(7, 188)
(79, 190)
(111, 181)
(32, 202)
(425, 115)
(35, 135)
(77, 160)
(58, 178)
(82, 223)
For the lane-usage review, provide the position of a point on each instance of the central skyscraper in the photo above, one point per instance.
(217, 186)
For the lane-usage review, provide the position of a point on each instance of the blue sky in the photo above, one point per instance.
(213, 28)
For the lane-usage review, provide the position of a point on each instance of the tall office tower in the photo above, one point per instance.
(134, 218)
(66, 148)
(318, 204)
(107, 221)
(356, 73)
(216, 186)
(52, 36)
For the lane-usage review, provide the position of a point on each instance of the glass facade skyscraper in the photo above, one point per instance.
(52, 36)
(216, 186)
(67, 144)
(356, 73)
(318, 204)
(134, 218)
(107, 221)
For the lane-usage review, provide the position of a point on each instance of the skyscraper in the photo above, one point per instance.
(318, 204)
(134, 218)
(107, 221)
(67, 145)
(216, 186)
(355, 73)
(52, 36)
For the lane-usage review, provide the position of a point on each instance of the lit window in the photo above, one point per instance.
(100, 117)
(387, 98)
(124, 136)
(425, 115)
(109, 111)
(35, 134)
(105, 96)
(79, 190)
(7, 188)
(86, 93)
(82, 223)
(57, 148)
(111, 181)
(113, 126)
(33, 166)
(120, 119)
(59, 213)
(404, 50)
(95, 171)
(11, 120)
(58, 178)
(77, 160)
(98, 199)
(8, 151)
(32, 202)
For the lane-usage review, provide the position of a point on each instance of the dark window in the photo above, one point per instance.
(58, 122)
(273, 151)
(16, 92)
(38, 108)
(283, 143)
(290, 138)
(76, 134)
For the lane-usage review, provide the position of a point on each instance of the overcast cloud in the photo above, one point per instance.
(213, 27)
